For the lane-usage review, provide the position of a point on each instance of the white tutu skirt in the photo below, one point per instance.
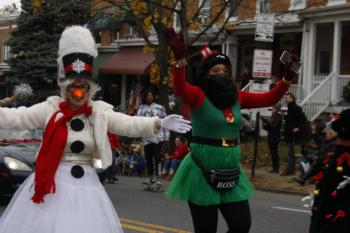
(78, 206)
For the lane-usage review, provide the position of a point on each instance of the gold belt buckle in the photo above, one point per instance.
(226, 143)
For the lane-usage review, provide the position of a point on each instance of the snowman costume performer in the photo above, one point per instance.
(64, 194)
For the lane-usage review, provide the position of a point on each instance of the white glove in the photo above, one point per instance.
(175, 123)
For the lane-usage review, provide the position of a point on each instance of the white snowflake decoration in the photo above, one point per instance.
(78, 66)
(23, 91)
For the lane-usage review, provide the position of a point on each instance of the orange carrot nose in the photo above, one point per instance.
(78, 92)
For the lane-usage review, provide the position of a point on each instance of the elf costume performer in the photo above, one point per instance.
(215, 106)
(331, 208)
(64, 194)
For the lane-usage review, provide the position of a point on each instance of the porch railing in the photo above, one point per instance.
(246, 87)
(317, 79)
(319, 99)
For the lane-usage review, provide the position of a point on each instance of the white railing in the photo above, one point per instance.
(317, 79)
(342, 81)
(319, 99)
(246, 87)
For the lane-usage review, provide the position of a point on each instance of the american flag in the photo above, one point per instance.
(135, 95)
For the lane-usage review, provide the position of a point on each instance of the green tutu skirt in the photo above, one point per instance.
(189, 183)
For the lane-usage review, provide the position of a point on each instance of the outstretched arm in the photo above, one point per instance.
(132, 126)
(23, 117)
(260, 100)
(192, 95)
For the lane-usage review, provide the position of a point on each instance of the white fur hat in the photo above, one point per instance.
(77, 39)
(76, 51)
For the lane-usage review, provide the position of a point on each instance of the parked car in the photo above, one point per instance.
(17, 158)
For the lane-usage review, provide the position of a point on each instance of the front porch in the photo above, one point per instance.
(326, 59)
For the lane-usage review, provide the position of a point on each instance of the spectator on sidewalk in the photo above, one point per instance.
(295, 131)
(173, 160)
(311, 150)
(273, 127)
(152, 144)
(127, 161)
(139, 163)
(320, 159)
(8, 101)
(111, 171)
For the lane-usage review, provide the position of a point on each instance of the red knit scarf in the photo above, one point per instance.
(51, 151)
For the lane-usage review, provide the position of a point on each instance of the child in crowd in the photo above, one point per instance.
(139, 165)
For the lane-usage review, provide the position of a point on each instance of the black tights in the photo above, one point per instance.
(236, 215)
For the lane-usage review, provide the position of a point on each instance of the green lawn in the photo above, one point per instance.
(263, 157)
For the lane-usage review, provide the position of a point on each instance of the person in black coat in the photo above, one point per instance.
(294, 131)
(273, 127)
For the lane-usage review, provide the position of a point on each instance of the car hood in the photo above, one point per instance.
(24, 151)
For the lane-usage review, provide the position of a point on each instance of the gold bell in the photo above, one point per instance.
(316, 192)
(339, 169)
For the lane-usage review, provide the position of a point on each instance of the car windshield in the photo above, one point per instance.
(29, 134)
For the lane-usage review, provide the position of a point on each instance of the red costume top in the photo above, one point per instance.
(194, 96)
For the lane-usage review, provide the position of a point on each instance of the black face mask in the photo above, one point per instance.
(221, 90)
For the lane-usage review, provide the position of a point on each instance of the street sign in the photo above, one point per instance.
(264, 27)
(262, 63)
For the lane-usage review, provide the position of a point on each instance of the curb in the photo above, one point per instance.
(282, 191)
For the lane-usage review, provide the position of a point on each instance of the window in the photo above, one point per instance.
(5, 50)
(336, 2)
(204, 13)
(324, 48)
(232, 6)
(262, 6)
(132, 33)
(345, 48)
(297, 4)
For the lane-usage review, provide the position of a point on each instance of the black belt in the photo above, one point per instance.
(225, 142)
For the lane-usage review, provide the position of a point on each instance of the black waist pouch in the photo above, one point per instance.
(222, 180)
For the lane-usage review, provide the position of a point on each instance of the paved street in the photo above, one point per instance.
(142, 211)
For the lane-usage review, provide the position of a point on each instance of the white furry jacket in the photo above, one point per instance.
(103, 119)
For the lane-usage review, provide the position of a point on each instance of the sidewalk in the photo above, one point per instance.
(272, 182)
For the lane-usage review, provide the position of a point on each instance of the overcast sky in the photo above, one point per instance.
(7, 2)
